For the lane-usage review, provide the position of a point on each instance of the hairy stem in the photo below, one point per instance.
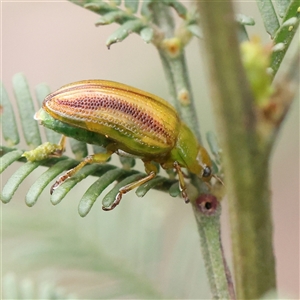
(171, 52)
(174, 64)
(246, 165)
(208, 224)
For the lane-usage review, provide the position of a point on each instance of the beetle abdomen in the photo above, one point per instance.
(139, 121)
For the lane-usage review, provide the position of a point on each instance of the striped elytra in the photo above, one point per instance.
(117, 111)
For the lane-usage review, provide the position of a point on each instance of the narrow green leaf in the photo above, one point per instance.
(244, 20)
(41, 91)
(26, 111)
(282, 6)
(147, 34)
(97, 7)
(132, 5)
(64, 189)
(98, 149)
(16, 179)
(285, 35)
(47, 290)
(109, 198)
(8, 120)
(195, 30)
(10, 286)
(78, 148)
(242, 33)
(174, 190)
(37, 188)
(118, 16)
(179, 8)
(7, 159)
(123, 31)
(127, 162)
(27, 289)
(144, 188)
(269, 16)
(93, 192)
(145, 10)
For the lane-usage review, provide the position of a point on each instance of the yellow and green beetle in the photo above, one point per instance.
(135, 123)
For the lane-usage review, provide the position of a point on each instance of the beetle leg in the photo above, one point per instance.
(151, 171)
(61, 147)
(182, 185)
(90, 159)
(125, 189)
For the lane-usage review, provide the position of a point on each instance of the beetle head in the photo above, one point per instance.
(204, 165)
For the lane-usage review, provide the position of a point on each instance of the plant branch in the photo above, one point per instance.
(245, 163)
(207, 210)
(171, 50)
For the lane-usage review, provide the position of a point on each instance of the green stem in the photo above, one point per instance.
(175, 68)
(180, 89)
(209, 232)
(246, 164)
(208, 226)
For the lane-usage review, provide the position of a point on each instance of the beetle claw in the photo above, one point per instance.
(185, 196)
(54, 186)
(115, 203)
(108, 208)
(58, 182)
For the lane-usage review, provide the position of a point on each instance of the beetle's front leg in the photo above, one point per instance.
(46, 150)
(95, 158)
(182, 185)
(150, 169)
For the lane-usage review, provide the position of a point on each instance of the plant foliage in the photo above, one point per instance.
(108, 173)
(122, 270)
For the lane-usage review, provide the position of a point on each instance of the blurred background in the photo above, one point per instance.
(146, 247)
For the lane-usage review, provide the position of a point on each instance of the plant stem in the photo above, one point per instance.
(175, 68)
(210, 238)
(208, 226)
(246, 165)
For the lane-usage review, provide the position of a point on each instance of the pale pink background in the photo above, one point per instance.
(57, 42)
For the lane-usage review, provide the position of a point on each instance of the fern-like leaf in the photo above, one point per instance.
(269, 16)
(281, 6)
(128, 254)
(28, 289)
(281, 31)
(10, 133)
(142, 23)
(285, 33)
(26, 111)
(108, 173)
(41, 91)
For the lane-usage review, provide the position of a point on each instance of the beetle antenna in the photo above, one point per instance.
(218, 179)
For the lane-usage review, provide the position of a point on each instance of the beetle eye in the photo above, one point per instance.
(206, 172)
